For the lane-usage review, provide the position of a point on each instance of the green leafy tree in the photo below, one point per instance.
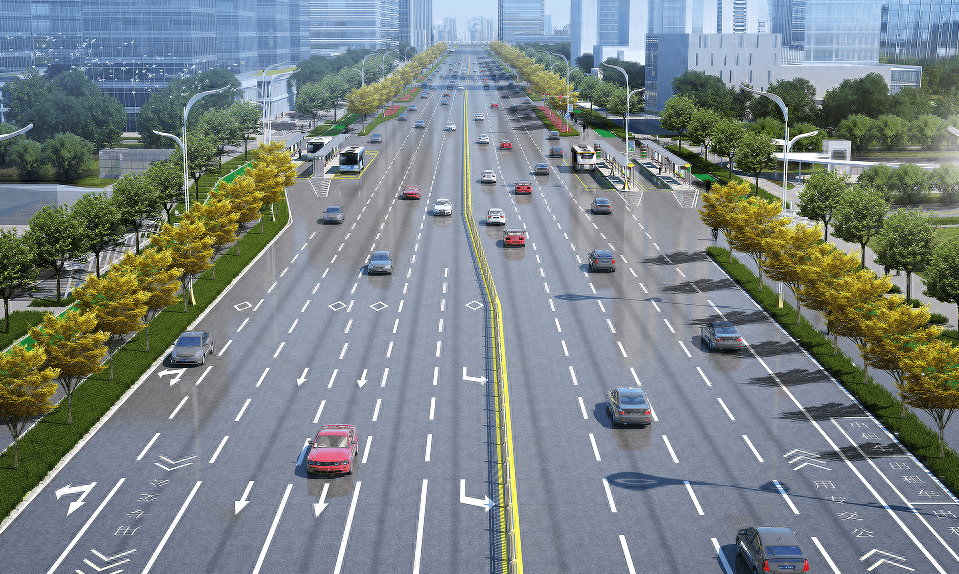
(677, 114)
(163, 111)
(857, 128)
(810, 144)
(859, 216)
(107, 119)
(890, 131)
(927, 131)
(27, 156)
(249, 119)
(200, 155)
(821, 196)
(635, 71)
(706, 91)
(137, 202)
(945, 180)
(310, 100)
(909, 103)
(69, 155)
(18, 270)
(99, 222)
(909, 183)
(56, 113)
(930, 384)
(798, 94)
(702, 128)
(769, 126)
(585, 62)
(868, 95)
(166, 178)
(942, 273)
(21, 94)
(905, 243)
(5, 145)
(25, 391)
(221, 128)
(727, 135)
(878, 178)
(755, 154)
(56, 240)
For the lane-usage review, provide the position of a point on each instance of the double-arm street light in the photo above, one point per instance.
(266, 92)
(383, 63)
(568, 70)
(363, 69)
(626, 122)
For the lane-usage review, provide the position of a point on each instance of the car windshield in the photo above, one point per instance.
(442, 202)
(780, 551)
(331, 441)
(191, 341)
(727, 329)
(333, 210)
(602, 202)
(380, 257)
(603, 254)
(632, 399)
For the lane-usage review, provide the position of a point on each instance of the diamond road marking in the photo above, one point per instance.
(243, 306)
(337, 306)
(378, 306)
(474, 305)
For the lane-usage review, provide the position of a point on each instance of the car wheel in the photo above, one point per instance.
(203, 359)
(212, 350)
(589, 267)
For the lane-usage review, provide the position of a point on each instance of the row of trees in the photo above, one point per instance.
(541, 81)
(367, 99)
(890, 334)
(71, 347)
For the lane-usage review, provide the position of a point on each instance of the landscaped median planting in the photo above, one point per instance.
(391, 111)
(557, 123)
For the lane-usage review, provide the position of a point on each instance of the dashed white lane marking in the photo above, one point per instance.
(633, 272)
(593, 289)
(439, 345)
(305, 244)
(565, 350)
(400, 308)
(429, 446)
(722, 404)
(243, 324)
(178, 407)
(386, 373)
(656, 246)
(285, 269)
(572, 375)
(680, 272)
(602, 308)
(270, 290)
(592, 441)
(582, 408)
(658, 310)
(749, 443)
(147, 447)
(558, 328)
(278, 349)
(703, 375)
(722, 557)
(346, 529)
(621, 349)
(376, 410)
(216, 453)
(305, 305)
(546, 286)
(348, 325)
(441, 325)
(782, 491)
(343, 352)
(366, 450)
(669, 447)
(293, 326)
(643, 287)
(319, 411)
(671, 330)
(432, 406)
(389, 350)
(223, 350)
(610, 323)
(419, 531)
(609, 495)
(824, 555)
(263, 376)
(317, 286)
(689, 489)
(685, 350)
(629, 558)
(635, 378)
(203, 376)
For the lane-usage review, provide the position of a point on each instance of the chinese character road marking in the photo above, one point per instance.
(911, 479)
(825, 484)
(862, 533)
(898, 466)
(125, 531)
(849, 515)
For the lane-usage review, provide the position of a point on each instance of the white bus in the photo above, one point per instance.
(353, 159)
(313, 145)
(582, 157)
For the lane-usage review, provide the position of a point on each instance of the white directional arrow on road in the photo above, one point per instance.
(302, 378)
(175, 464)
(177, 372)
(239, 505)
(887, 561)
(808, 457)
(362, 380)
(484, 502)
(318, 507)
(84, 490)
(480, 380)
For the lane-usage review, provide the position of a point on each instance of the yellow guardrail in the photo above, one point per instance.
(509, 509)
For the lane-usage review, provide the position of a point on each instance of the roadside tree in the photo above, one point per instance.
(18, 270)
(68, 155)
(166, 178)
(118, 304)
(219, 220)
(859, 217)
(931, 384)
(755, 224)
(27, 156)
(942, 273)
(25, 391)
(677, 114)
(890, 131)
(945, 180)
(137, 203)
(857, 128)
(99, 222)
(908, 183)
(190, 248)
(786, 252)
(727, 135)
(57, 239)
(755, 154)
(249, 120)
(157, 278)
(821, 196)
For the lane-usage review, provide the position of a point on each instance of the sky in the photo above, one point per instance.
(558, 9)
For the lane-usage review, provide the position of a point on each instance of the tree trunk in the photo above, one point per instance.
(6, 314)
(862, 250)
(147, 335)
(70, 408)
(111, 366)
(908, 284)
(58, 286)
(185, 293)
(16, 453)
(136, 238)
(96, 257)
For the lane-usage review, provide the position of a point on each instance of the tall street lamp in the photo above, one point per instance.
(186, 187)
(268, 135)
(568, 70)
(383, 63)
(626, 122)
(363, 69)
(266, 90)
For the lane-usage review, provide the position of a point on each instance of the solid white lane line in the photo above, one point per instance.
(346, 529)
(722, 557)
(176, 521)
(86, 526)
(178, 407)
(216, 453)
(722, 404)
(333, 376)
(629, 558)
(685, 350)
(432, 406)
(386, 373)
(348, 325)
(622, 350)
(343, 352)
(429, 446)
(439, 345)
(703, 375)
(366, 451)
(263, 376)
(609, 496)
(224, 348)
(635, 377)
(824, 555)
(203, 376)
(242, 410)
(572, 374)
(565, 350)
(689, 489)
(418, 552)
(376, 410)
(782, 491)
(749, 443)
(592, 441)
(389, 350)
(243, 324)
(610, 323)
(147, 447)
(558, 328)
(670, 448)
(671, 330)
(319, 411)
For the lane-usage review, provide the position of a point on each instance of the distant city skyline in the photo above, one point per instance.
(558, 9)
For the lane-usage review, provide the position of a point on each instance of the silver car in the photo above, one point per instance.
(380, 262)
(721, 335)
(376, 138)
(443, 207)
(771, 549)
(192, 347)
(333, 214)
(602, 259)
(628, 405)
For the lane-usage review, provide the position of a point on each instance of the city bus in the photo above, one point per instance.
(353, 159)
(582, 158)
(313, 145)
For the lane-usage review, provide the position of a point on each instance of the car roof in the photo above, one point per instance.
(603, 253)
(523, 183)
(333, 208)
(495, 210)
(601, 200)
(777, 536)
(542, 163)
(514, 231)
(631, 390)
(193, 333)
(411, 187)
(443, 199)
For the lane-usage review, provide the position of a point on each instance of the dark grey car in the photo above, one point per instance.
(192, 347)
(333, 214)
(628, 405)
(602, 259)
(380, 262)
(771, 549)
(721, 335)
(541, 168)
(601, 205)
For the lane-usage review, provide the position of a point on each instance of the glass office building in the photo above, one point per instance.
(338, 25)
(916, 30)
(827, 31)
(520, 18)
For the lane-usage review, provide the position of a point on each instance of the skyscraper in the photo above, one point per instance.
(415, 22)
(919, 29)
(827, 31)
(336, 26)
(519, 18)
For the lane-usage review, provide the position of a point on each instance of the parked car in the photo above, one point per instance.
(523, 188)
(376, 138)
(555, 151)
(333, 214)
(495, 216)
(410, 192)
(443, 207)
(721, 335)
(601, 205)
(602, 259)
(553, 135)
(514, 237)
(628, 405)
(771, 549)
(192, 347)
(332, 450)
(380, 262)
(541, 168)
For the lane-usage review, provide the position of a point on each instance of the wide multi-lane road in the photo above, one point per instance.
(202, 469)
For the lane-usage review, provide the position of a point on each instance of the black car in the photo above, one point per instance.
(721, 335)
(601, 205)
(555, 151)
(771, 549)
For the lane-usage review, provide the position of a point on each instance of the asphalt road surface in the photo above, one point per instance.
(203, 470)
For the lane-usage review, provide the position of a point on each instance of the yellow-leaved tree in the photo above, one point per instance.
(190, 248)
(819, 273)
(931, 383)
(73, 346)
(158, 279)
(219, 220)
(245, 199)
(856, 305)
(721, 202)
(118, 303)
(25, 390)
(786, 253)
(273, 171)
(753, 225)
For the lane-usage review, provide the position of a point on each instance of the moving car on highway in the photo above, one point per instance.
(479, 117)
(514, 237)
(602, 259)
(451, 127)
(601, 205)
(332, 450)
(489, 176)
(555, 151)
(380, 262)
(771, 549)
(419, 124)
(401, 117)
(523, 188)
(553, 135)
(412, 108)
(721, 335)
(443, 207)
(333, 214)
(541, 168)
(628, 405)
(505, 144)
(483, 140)
(495, 216)
(376, 138)
(494, 105)
(411, 192)
(192, 347)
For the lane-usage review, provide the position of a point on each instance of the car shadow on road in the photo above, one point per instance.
(677, 258)
(630, 438)
(791, 378)
(699, 286)
(824, 412)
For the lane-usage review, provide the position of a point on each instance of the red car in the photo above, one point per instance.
(505, 144)
(523, 187)
(494, 105)
(411, 192)
(333, 450)
(514, 237)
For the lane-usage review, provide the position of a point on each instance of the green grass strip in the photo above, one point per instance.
(911, 431)
(52, 438)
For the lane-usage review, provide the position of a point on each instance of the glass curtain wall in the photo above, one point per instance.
(518, 18)
(916, 30)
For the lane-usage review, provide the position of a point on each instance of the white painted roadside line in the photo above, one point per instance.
(572, 374)
(176, 520)
(749, 443)
(826, 556)
(429, 446)
(147, 447)
(319, 411)
(87, 524)
(223, 350)
(689, 489)
(609, 496)
(782, 491)
(703, 375)
(592, 441)
(218, 449)
(418, 552)
(629, 559)
(722, 557)
(670, 448)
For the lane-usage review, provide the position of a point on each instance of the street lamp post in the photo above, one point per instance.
(266, 90)
(626, 121)
(186, 112)
(568, 70)
(182, 144)
(383, 63)
(268, 134)
(363, 69)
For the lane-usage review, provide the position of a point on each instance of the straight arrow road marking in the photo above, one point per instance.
(302, 378)
(84, 490)
(362, 380)
(319, 506)
(239, 505)
(484, 502)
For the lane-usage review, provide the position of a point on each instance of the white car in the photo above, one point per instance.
(496, 216)
(450, 127)
(489, 176)
(483, 140)
(479, 117)
(460, 88)
(443, 207)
